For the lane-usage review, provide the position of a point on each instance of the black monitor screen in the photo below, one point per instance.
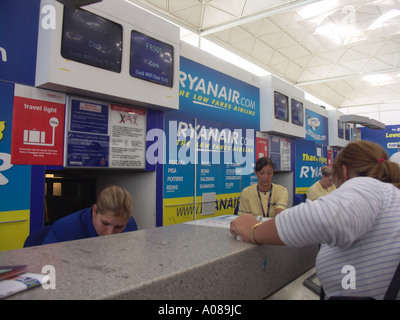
(297, 112)
(281, 103)
(90, 39)
(340, 129)
(151, 59)
(347, 132)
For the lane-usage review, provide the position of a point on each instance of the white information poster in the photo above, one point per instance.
(285, 154)
(128, 137)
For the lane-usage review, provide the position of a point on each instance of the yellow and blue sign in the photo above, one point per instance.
(389, 138)
(15, 181)
(310, 158)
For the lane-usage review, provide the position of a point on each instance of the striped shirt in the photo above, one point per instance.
(358, 227)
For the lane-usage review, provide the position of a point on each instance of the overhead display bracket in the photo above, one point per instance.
(364, 121)
(77, 3)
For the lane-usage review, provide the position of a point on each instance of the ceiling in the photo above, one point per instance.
(346, 53)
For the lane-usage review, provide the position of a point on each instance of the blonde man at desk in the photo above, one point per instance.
(323, 186)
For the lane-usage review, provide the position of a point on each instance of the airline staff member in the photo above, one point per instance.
(323, 186)
(265, 198)
(111, 214)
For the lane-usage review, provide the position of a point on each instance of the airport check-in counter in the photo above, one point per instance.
(181, 261)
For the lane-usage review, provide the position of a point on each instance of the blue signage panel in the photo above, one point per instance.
(19, 23)
(87, 150)
(223, 156)
(89, 117)
(179, 168)
(389, 138)
(210, 94)
(316, 127)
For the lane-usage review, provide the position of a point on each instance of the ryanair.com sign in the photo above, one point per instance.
(205, 92)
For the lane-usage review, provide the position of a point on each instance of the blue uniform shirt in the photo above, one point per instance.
(77, 226)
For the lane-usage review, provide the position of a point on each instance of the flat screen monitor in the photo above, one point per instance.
(340, 129)
(90, 39)
(151, 59)
(281, 106)
(297, 112)
(347, 131)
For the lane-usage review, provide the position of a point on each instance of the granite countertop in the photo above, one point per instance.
(174, 262)
(105, 267)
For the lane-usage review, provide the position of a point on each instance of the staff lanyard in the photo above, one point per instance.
(269, 201)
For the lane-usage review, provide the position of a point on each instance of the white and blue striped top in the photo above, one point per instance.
(357, 225)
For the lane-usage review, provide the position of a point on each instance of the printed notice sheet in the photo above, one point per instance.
(100, 135)
(128, 137)
(220, 221)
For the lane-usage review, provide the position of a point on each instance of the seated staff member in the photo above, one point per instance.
(323, 186)
(357, 225)
(265, 198)
(111, 214)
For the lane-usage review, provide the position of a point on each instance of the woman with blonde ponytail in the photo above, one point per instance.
(357, 225)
